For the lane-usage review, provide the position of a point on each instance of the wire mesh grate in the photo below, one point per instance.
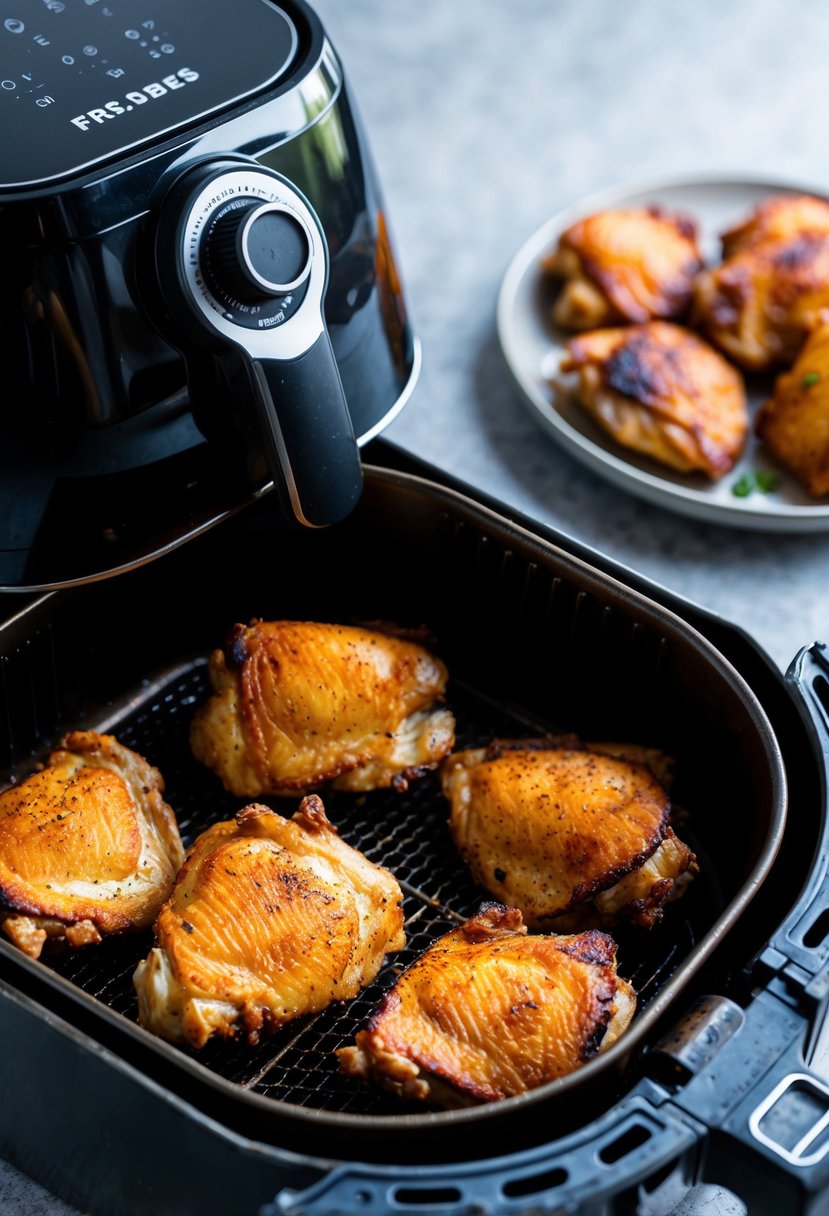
(406, 832)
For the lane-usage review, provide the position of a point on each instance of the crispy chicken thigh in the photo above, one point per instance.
(297, 704)
(488, 1012)
(270, 918)
(565, 830)
(778, 217)
(634, 264)
(661, 391)
(760, 303)
(794, 422)
(88, 846)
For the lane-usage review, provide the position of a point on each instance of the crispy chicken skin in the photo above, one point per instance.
(88, 846)
(270, 918)
(759, 305)
(661, 391)
(565, 830)
(778, 217)
(297, 704)
(794, 422)
(634, 264)
(488, 1012)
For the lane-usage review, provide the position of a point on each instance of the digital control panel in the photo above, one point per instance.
(82, 81)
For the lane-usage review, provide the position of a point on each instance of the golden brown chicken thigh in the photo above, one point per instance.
(760, 303)
(778, 217)
(297, 704)
(661, 391)
(488, 1012)
(565, 830)
(634, 264)
(794, 422)
(88, 846)
(270, 918)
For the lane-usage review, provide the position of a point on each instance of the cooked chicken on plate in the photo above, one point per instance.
(633, 264)
(488, 1012)
(297, 704)
(270, 918)
(760, 303)
(777, 217)
(794, 422)
(661, 391)
(88, 846)
(555, 830)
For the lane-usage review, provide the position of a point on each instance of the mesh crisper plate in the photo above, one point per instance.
(409, 834)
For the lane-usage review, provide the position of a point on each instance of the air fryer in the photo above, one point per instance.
(201, 299)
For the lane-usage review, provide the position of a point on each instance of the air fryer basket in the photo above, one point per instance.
(535, 639)
(531, 645)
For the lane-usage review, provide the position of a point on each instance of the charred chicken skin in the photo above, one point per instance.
(297, 704)
(88, 846)
(488, 1012)
(759, 305)
(270, 918)
(573, 831)
(794, 422)
(659, 390)
(635, 264)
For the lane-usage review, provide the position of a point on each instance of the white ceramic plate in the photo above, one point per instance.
(533, 348)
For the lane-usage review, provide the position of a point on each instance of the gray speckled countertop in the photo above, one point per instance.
(486, 117)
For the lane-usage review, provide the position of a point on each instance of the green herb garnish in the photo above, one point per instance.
(809, 379)
(760, 479)
(767, 480)
(743, 486)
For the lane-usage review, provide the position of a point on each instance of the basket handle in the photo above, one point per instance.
(799, 948)
(765, 1109)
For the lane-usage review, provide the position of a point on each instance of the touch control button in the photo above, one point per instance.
(256, 251)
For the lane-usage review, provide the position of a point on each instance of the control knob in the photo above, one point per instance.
(256, 251)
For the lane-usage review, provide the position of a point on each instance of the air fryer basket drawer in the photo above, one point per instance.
(534, 640)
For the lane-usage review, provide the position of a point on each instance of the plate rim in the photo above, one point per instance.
(762, 513)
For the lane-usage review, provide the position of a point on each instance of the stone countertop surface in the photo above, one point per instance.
(485, 119)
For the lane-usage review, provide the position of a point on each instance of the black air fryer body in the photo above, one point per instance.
(130, 419)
